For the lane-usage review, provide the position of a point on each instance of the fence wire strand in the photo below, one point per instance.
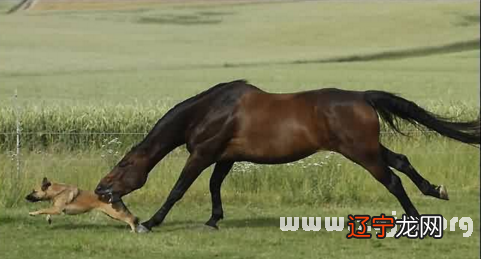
(145, 133)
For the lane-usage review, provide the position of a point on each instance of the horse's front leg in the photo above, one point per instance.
(193, 168)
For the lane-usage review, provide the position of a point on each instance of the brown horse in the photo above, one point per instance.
(237, 121)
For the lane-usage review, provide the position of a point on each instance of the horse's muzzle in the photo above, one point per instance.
(102, 190)
(107, 194)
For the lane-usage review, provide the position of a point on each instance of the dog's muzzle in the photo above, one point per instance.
(31, 198)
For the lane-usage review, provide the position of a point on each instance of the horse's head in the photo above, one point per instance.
(127, 176)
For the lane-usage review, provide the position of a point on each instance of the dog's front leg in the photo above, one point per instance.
(49, 219)
(49, 211)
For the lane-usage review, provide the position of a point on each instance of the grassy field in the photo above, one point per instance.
(250, 231)
(120, 70)
(167, 54)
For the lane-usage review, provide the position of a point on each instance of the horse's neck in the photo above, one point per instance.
(170, 131)
(167, 134)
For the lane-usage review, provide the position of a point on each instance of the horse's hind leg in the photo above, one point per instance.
(370, 158)
(401, 163)
(221, 170)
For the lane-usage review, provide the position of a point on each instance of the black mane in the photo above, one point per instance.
(206, 92)
(179, 108)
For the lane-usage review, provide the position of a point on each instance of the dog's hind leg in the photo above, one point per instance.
(120, 212)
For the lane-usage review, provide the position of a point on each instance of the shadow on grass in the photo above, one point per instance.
(7, 219)
(230, 223)
(198, 18)
(183, 225)
(468, 20)
(215, 13)
(179, 20)
(170, 226)
(57, 223)
(262, 222)
(87, 226)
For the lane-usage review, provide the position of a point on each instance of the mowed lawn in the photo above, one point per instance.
(162, 54)
(249, 231)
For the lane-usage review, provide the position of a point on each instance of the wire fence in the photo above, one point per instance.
(145, 133)
(121, 141)
(74, 133)
(30, 140)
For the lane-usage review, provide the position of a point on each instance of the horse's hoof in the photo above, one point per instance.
(443, 192)
(141, 229)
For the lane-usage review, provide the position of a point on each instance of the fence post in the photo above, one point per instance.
(17, 116)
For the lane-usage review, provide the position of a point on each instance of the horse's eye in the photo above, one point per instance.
(124, 163)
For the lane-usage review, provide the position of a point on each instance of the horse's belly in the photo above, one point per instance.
(269, 150)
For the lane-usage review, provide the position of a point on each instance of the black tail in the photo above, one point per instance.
(390, 106)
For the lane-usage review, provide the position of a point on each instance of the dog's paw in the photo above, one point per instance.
(49, 219)
(34, 213)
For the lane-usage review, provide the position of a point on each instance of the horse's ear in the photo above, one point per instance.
(45, 184)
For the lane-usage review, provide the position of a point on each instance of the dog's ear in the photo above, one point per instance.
(45, 184)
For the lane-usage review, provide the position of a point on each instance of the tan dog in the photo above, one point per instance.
(71, 200)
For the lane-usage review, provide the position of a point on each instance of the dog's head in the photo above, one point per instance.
(42, 192)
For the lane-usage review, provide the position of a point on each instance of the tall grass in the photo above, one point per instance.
(87, 127)
(324, 178)
(78, 127)
(98, 57)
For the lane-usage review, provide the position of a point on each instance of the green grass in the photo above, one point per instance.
(325, 178)
(254, 199)
(111, 57)
(333, 179)
(249, 231)
(106, 71)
